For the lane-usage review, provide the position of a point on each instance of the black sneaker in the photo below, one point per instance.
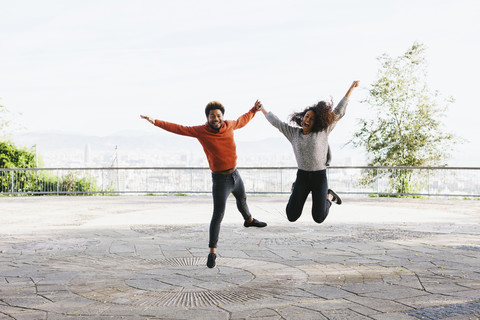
(254, 223)
(335, 198)
(211, 260)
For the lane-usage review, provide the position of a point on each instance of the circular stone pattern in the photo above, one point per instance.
(188, 279)
(186, 282)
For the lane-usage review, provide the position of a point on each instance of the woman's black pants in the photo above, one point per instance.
(306, 182)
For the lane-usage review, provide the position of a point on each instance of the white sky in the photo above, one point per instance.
(93, 66)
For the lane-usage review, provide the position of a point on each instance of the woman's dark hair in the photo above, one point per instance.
(324, 115)
(212, 106)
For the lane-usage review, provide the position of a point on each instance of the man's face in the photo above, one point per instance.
(215, 119)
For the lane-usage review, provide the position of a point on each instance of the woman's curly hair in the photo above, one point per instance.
(324, 115)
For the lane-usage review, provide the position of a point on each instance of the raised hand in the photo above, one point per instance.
(258, 105)
(149, 119)
(353, 86)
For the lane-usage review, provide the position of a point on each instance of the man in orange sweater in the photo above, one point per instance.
(216, 138)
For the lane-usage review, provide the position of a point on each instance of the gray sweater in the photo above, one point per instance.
(311, 149)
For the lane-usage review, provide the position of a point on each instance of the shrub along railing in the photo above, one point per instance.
(382, 181)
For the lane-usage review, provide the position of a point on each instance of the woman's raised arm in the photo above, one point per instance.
(353, 86)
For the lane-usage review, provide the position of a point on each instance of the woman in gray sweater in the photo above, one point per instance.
(310, 145)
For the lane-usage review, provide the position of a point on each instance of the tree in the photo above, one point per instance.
(13, 157)
(10, 155)
(6, 123)
(3, 121)
(405, 129)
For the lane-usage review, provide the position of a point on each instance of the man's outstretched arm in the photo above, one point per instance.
(244, 119)
(172, 127)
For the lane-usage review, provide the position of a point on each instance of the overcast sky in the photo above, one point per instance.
(94, 66)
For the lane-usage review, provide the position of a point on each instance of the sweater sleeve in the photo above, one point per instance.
(341, 108)
(287, 130)
(243, 119)
(339, 112)
(176, 128)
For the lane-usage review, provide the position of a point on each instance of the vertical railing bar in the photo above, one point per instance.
(281, 180)
(12, 181)
(146, 181)
(428, 182)
(103, 186)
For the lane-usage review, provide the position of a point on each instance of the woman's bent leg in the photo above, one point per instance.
(320, 203)
(299, 195)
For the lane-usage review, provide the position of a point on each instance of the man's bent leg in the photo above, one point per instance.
(241, 198)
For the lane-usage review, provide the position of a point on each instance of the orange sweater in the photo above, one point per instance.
(219, 146)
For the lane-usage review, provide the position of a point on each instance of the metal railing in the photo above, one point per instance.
(398, 181)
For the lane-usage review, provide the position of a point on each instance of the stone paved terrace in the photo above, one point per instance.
(143, 257)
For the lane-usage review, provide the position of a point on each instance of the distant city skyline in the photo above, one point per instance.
(70, 150)
(93, 67)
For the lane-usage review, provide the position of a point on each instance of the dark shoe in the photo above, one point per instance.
(335, 196)
(211, 260)
(255, 223)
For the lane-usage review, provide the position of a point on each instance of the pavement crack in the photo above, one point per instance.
(37, 293)
(42, 296)
(7, 315)
(365, 315)
(420, 281)
(279, 314)
(23, 308)
(326, 317)
(364, 305)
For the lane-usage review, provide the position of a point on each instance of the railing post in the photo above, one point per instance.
(103, 188)
(58, 182)
(428, 182)
(281, 181)
(146, 181)
(12, 179)
(117, 176)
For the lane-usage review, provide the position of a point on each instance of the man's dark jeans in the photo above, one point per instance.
(222, 186)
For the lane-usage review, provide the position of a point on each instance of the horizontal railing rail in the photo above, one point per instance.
(395, 181)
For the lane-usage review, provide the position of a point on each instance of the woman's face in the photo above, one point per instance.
(308, 121)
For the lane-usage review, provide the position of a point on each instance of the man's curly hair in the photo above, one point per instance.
(212, 106)
(324, 115)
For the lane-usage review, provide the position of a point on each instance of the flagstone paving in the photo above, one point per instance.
(144, 257)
